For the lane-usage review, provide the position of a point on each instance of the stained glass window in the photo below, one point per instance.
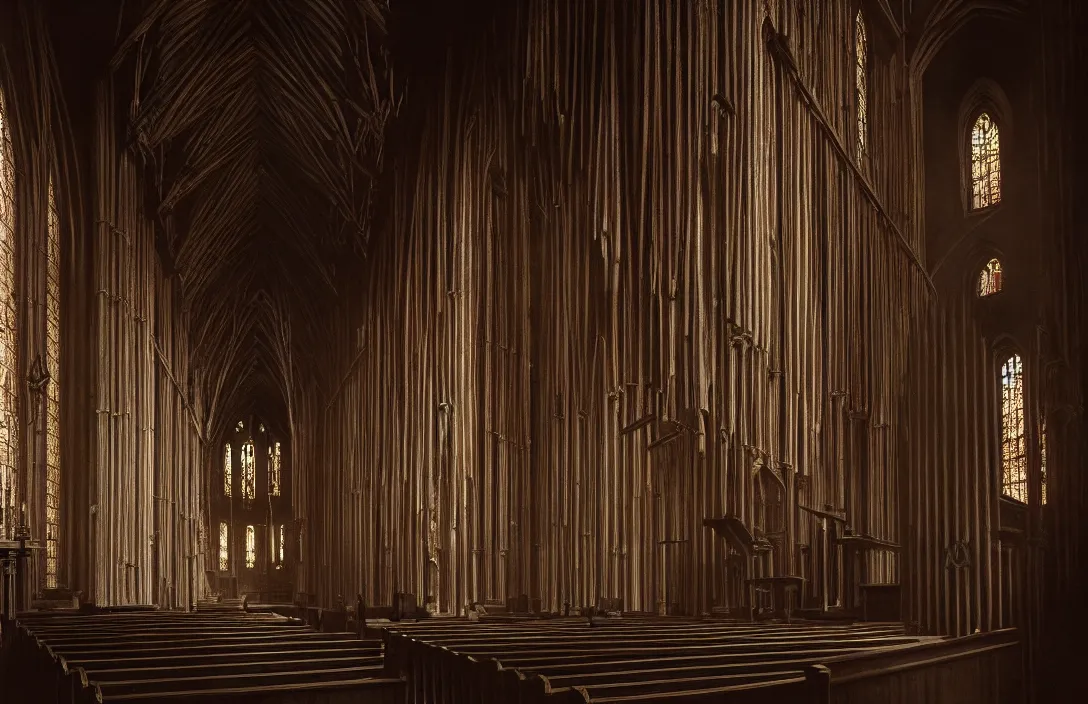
(228, 475)
(861, 84)
(224, 547)
(989, 281)
(1042, 460)
(52, 418)
(281, 543)
(274, 465)
(1013, 456)
(240, 427)
(985, 163)
(249, 472)
(9, 382)
(251, 547)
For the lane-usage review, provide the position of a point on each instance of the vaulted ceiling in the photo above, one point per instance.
(264, 123)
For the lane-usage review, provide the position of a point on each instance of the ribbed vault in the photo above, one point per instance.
(261, 122)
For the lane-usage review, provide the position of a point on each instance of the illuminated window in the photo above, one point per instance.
(274, 464)
(985, 163)
(1013, 457)
(1042, 460)
(52, 418)
(240, 427)
(9, 380)
(260, 428)
(861, 81)
(281, 543)
(989, 281)
(224, 547)
(249, 472)
(251, 547)
(228, 476)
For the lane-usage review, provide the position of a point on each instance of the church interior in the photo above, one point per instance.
(500, 351)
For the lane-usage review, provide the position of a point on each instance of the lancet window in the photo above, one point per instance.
(249, 472)
(1013, 455)
(1042, 460)
(9, 381)
(251, 548)
(861, 81)
(52, 416)
(282, 537)
(228, 474)
(274, 465)
(990, 279)
(985, 163)
(224, 547)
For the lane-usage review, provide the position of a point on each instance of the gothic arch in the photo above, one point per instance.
(984, 97)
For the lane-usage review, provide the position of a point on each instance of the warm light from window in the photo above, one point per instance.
(990, 280)
(861, 84)
(224, 547)
(251, 547)
(1013, 456)
(985, 163)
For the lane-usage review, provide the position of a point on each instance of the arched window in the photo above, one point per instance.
(9, 381)
(228, 475)
(224, 547)
(1042, 460)
(281, 543)
(1013, 455)
(249, 473)
(52, 419)
(985, 163)
(251, 548)
(861, 85)
(274, 464)
(989, 281)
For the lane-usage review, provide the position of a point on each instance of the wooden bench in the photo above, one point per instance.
(479, 663)
(185, 657)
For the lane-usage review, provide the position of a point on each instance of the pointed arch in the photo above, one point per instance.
(9, 382)
(52, 419)
(985, 154)
(861, 83)
(1013, 444)
(990, 279)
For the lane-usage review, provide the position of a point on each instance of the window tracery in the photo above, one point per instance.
(990, 279)
(274, 466)
(228, 476)
(1013, 455)
(249, 473)
(224, 547)
(9, 383)
(985, 163)
(861, 82)
(251, 547)
(52, 418)
(1042, 460)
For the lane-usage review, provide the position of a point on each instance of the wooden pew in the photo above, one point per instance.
(438, 673)
(228, 657)
(985, 668)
